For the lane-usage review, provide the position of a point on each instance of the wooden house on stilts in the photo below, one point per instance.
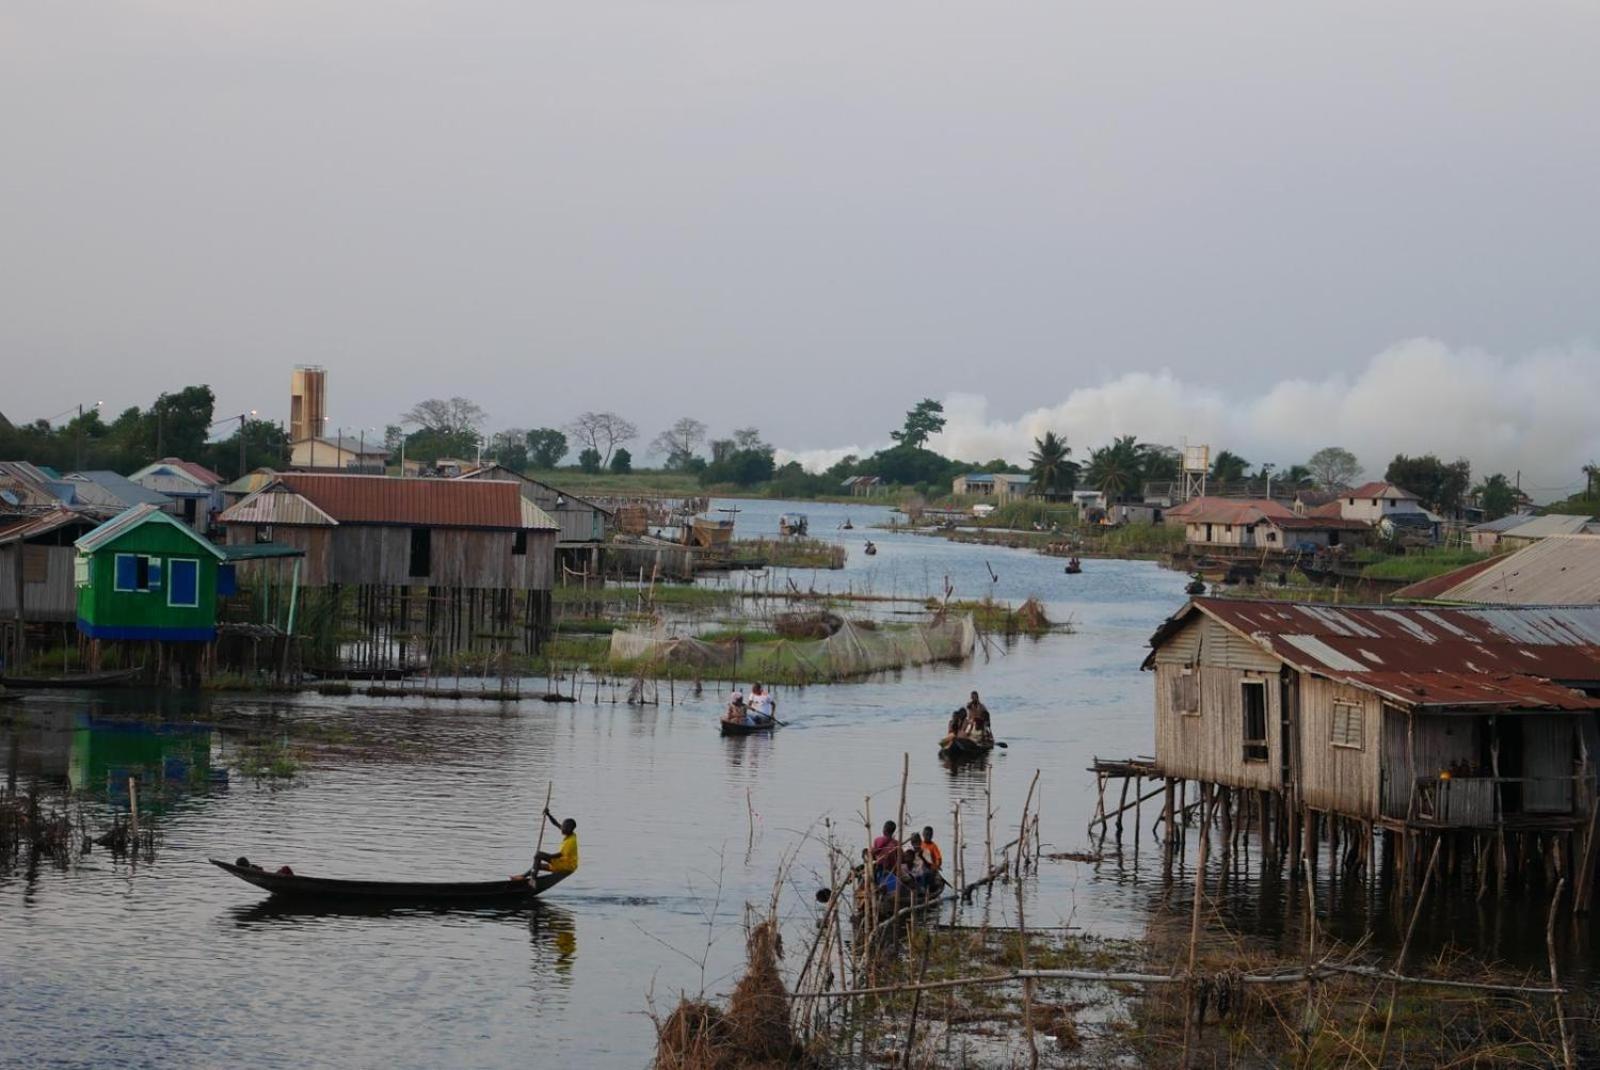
(1356, 726)
(415, 565)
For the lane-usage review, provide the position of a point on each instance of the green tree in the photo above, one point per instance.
(510, 448)
(1496, 497)
(546, 447)
(1158, 462)
(1440, 486)
(923, 421)
(589, 459)
(622, 461)
(743, 459)
(1053, 474)
(183, 421)
(1296, 475)
(1334, 468)
(266, 445)
(1114, 470)
(1228, 467)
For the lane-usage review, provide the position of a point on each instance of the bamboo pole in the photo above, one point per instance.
(538, 844)
(1567, 1060)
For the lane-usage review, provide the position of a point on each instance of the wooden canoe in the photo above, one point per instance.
(112, 678)
(961, 750)
(332, 889)
(736, 728)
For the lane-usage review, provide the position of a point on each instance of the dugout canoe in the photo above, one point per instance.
(112, 678)
(963, 750)
(310, 889)
(735, 728)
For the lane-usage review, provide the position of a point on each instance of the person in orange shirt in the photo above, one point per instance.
(930, 850)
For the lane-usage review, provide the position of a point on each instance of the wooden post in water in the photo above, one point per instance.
(133, 812)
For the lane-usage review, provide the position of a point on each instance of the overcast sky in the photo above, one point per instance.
(807, 216)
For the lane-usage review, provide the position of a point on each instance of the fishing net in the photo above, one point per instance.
(857, 648)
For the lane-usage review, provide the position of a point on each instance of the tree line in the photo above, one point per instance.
(176, 424)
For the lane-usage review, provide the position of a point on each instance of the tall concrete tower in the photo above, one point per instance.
(308, 401)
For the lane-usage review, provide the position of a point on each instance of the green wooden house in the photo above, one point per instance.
(145, 575)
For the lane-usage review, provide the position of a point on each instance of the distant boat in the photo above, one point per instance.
(793, 524)
(1074, 567)
(870, 550)
(847, 526)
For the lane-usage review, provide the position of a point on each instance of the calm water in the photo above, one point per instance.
(173, 963)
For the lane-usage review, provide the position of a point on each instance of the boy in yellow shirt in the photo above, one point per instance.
(564, 860)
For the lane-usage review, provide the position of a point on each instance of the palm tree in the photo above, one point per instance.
(1591, 475)
(1157, 462)
(1053, 474)
(1114, 469)
(1228, 467)
(1296, 475)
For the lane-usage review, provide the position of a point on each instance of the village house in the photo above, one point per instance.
(318, 454)
(144, 575)
(1254, 524)
(27, 489)
(473, 546)
(107, 493)
(1001, 486)
(1562, 570)
(1407, 719)
(1534, 528)
(585, 527)
(862, 486)
(193, 491)
(37, 561)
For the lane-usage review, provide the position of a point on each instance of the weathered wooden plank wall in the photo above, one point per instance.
(48, 593)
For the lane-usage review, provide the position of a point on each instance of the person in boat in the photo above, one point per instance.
(977, 722)
(759, 707)
(735, 712)
(930, 850)
(565, 859)
(917, 867)
(885, 849)
(958, 725)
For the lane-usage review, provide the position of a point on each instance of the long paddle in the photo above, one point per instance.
(538, 845)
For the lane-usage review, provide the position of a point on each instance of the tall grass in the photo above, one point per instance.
(1420, 565)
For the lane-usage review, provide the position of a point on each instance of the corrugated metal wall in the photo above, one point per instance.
(55, 599)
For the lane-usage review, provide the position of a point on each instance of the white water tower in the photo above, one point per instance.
(1196, 466)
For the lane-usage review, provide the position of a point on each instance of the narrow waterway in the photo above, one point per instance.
(173, 963)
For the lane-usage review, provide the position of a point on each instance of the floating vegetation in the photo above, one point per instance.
(789, 553)
(268, 760)
(1000, 618)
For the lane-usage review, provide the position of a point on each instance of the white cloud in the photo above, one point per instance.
(1533, 413)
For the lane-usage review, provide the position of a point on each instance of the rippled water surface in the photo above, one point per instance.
(173, 963)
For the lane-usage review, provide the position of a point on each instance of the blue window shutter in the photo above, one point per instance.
(227, 581)
(127, 572)
(155, 574)
(184, 583)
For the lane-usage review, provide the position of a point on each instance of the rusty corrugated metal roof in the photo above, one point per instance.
(32, 527)
(1229, 511)
(1423, 656)
(434, 503)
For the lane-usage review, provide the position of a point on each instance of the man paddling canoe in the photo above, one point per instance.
(564, 860)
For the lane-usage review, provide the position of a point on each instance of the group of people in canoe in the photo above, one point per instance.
(756, 710)
(970, 723)
(901, 873)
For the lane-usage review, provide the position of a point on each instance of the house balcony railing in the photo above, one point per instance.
(1486, 801)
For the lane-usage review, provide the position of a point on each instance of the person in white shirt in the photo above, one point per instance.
(759, 706)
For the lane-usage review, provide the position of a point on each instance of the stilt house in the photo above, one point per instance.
(146, 575)
(464, 549)
(1400, 718)
(585, 526)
